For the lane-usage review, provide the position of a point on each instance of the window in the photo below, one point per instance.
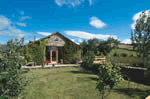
(56, 39)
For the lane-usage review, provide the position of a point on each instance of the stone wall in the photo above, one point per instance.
(55, 41)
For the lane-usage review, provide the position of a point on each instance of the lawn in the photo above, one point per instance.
(71, 83)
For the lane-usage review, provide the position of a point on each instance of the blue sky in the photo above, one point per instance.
(75, 19)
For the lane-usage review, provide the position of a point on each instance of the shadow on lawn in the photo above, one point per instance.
(134, 92)
(82, 72)
(93, 78)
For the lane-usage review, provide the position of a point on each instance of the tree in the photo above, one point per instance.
(84, 47)
(13, 59)
(92, 45)
(113, 42)
(104, 47)
(142, 37)
(109, 76)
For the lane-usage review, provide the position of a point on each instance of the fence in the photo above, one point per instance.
(99, 59)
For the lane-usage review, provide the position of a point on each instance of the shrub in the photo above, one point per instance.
(13, 82)
(124, 54)
(115, 54)
(131, 55)
(88, 64)
(109, 76)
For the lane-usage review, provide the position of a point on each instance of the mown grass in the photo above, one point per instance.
(71, 83)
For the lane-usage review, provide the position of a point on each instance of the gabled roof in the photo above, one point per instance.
(56, 33)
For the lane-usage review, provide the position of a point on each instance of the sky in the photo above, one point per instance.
(76, 19)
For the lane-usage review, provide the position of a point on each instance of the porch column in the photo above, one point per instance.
(57, 54)
(50, 55)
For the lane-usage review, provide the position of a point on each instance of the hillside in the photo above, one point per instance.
(125, 54)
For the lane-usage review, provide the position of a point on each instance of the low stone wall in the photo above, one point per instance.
(136, 73)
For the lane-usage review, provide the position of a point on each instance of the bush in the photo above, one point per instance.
(115, 54)
(109, 76)
(124, 54)
(131, 55)
(88, 64)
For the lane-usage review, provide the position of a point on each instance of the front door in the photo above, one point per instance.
(54, 55)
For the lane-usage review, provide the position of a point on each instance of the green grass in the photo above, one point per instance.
(131, 55)
(119, 51)
(130, 47)
(128, 60)
(71, 83)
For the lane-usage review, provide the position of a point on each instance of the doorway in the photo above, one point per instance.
(54, 55)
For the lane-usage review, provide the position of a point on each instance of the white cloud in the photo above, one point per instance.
(44, 33)
(4, 22)
(137, 16)
(7, 28)
(96, 22)
(37, 38)
(80, 40)
(126, 41)
(22, 12)
(21, 24)
(74, 41)
(25, 17)
(90, 2)
(72, 3)
(3, 42)
(87, 35)
(26, 41)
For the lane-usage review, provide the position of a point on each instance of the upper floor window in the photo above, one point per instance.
(56, 39)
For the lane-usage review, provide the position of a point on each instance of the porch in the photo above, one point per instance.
(53, 55)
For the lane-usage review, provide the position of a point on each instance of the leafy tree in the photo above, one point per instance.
(113, 42)
(13, 59)
(104, 47)
(142, 37)
(84, 45)
(87, 63)
(92, 45)
(132, 40)
(109, 76)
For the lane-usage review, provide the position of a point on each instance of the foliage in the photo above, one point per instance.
(113, 42)
(124, 54)
(115, 54)
(109, 76)
(84, 47)
(70, 52)
(77, 56)
(142, 37)
(104, 47)
(13, 59)
(99, 47)
(88, 64)
(131, 55)
(90, 45)
(36, 52)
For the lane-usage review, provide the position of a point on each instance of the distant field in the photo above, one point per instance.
(71, 83)
(130, 58)
(125, 46)
(119, 51)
